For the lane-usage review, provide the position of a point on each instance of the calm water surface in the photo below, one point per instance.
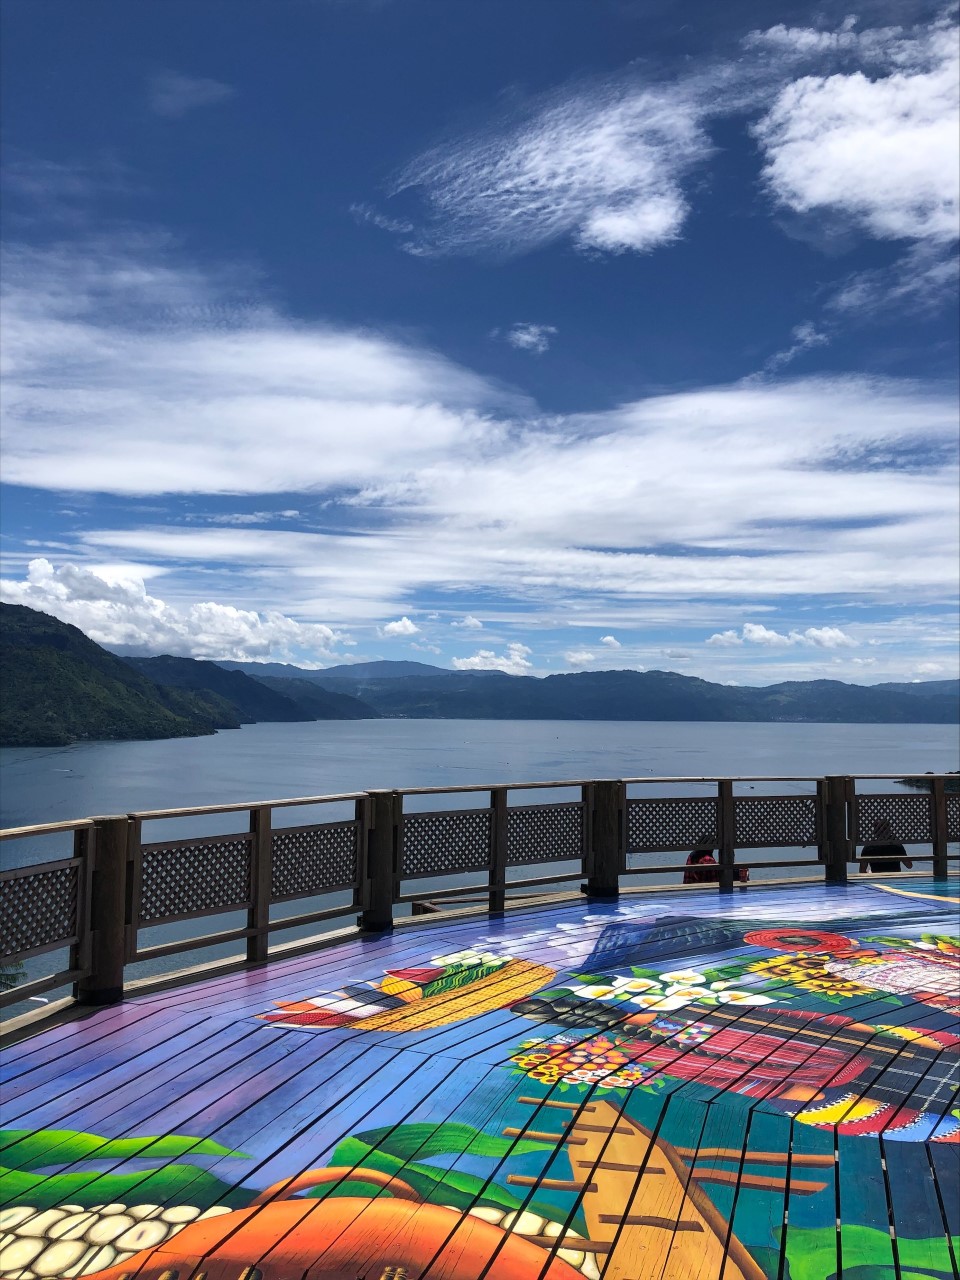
(272, 761)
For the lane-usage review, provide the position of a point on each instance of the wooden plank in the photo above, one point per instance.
(918, 1221)
(945, 1159)
(812, 1213)
(863, 1199)
(759, 1208)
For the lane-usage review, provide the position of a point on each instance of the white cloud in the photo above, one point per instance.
(116, 611)
(431, 480)
(725, 639)
(805, 337)
(367, 213)
(881, 150)
(580, 657)
(513, 662)
(469, 623)
(174, 95)
(531, 337)
(247, 517)
(603, 166)
(611, 642)
(919, 282)
(756, 633)
(402, 627)
(129, 372)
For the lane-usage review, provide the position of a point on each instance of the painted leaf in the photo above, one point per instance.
(174, 1184)
(42, 1148)
(424, 1140)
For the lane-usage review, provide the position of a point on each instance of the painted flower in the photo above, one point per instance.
(686, 976)
(743, 997)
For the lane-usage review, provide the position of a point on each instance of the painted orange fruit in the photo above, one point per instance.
(343, 1238)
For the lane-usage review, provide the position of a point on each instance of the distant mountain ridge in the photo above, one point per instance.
(637, 695)
(60, 687)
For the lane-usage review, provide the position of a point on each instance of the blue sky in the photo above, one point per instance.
(511, 334)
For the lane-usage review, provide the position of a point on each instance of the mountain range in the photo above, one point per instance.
(59, 686)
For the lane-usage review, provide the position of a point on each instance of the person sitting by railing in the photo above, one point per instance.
(883, 854)
(701, 868)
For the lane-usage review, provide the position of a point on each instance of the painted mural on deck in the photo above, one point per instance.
(615, 1092)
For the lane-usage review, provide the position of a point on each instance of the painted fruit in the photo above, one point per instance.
(342, 1238)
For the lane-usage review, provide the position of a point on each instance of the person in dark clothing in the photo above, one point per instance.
(883, 854)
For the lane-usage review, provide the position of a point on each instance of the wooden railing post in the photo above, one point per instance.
(938, 816)
(838, 795)
(498, 850)
(607, 837)
(727, 831)
(380, 861)
(261, 883)
(108, 897)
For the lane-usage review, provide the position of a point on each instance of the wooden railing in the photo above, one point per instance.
(96, 902)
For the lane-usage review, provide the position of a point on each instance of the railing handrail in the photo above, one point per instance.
(117, 883)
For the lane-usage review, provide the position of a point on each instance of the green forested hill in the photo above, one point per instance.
(57, 686)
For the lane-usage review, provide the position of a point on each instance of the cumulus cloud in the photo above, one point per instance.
(604, 166)
(174, 95)
(611, 642)
(879, 147)
(117, 612)
(469, 623)
(756, 633)
(580, 657)
(402, 627)
(531, 337)
(514, 662)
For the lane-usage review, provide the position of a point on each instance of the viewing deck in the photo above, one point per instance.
(755, 1083)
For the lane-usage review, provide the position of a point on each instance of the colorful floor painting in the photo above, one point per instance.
(689, 1086)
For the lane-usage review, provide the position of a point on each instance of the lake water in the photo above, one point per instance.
(272, 761)
(276, 761)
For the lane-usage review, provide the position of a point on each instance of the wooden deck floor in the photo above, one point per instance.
(681, 1086)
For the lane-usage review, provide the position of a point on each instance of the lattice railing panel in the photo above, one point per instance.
(776, 821)
(909, 818)
(39, 909)
(314, 859)
(434, 843)
(953, 817)
(205, 875)
(544, 833)
(661, 825)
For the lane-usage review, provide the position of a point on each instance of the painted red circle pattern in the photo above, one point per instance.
(799, 940)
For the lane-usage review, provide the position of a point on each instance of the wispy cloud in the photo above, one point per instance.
(805, 337)
(603, 165)
(366, 213)
(434, 481)
(174, 95)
